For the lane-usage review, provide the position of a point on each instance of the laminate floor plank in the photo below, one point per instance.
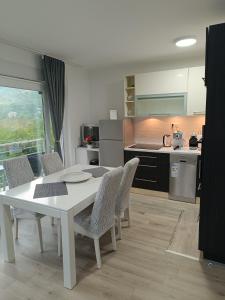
(140, 269)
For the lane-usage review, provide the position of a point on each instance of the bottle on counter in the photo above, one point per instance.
(193, 142)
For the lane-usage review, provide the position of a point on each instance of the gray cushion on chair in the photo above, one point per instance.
(122, 200)
(96, 220)
(18, 171)
(51, 163)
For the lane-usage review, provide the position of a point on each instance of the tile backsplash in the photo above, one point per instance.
(151, 130)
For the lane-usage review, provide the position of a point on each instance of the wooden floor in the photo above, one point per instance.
(140, 269)
(185, 237)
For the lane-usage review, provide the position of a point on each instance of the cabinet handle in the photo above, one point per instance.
(198, 112)
(148, 166)
(154, 157)
(149, 180)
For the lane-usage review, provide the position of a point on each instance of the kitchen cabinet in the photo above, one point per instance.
(212, 204)
(162, 82)
(161, 105)
(196, 100)
(129, 96)
(152, 172)
(173, 92)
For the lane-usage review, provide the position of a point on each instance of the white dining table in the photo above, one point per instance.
(80, 195)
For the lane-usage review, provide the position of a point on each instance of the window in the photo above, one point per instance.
(22, 126)
(21, 122)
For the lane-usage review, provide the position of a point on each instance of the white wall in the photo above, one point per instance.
(106, 84)
(23, 64)
(89, 94)
(77, 109)
(19, 63)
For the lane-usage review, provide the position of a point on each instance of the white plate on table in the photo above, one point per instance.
(75, 177)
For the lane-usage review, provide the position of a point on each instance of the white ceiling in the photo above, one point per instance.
(96, 33)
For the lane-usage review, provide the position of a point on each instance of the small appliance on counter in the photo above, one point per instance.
(89, 131)
(177, 140)
(167, 140)
(94, 162)
(193, 142)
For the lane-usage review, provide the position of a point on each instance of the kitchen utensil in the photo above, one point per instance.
(167, 140)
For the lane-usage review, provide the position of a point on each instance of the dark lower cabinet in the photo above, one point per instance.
(152, 172)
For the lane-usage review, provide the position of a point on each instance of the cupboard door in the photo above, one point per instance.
(196, 91)
(163, 82)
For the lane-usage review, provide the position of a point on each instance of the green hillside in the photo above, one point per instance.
(21, 116)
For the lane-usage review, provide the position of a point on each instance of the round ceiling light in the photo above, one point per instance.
(185, 42)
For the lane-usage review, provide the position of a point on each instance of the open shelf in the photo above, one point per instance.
(129, 96)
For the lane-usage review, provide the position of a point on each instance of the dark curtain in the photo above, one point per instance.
(54, 75)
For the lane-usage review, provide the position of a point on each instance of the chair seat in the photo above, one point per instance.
(20, 213)
(83, 222)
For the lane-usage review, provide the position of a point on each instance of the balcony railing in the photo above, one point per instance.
(31, 148)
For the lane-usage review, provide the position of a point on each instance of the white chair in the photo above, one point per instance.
(96, 220)
(18, 171)
(52, 163)
(123, 196)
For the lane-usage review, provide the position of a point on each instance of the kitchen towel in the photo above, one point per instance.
(50, 189)
(97, 172)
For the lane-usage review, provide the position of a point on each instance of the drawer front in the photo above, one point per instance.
(148, 159)
(152, 172)
(147, 177)
(147, 172)
(128, 155)
(150, 184)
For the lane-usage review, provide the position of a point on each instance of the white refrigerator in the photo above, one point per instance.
(111, 143)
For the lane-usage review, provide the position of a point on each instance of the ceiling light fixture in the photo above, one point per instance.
(185, 42)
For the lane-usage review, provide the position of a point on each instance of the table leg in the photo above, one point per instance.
(6, 233)
(68, 245)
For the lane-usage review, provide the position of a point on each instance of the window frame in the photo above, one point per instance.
(38, 86)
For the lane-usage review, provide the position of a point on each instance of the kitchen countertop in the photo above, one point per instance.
(184, 150)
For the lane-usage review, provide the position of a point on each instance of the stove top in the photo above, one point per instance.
(147, 146)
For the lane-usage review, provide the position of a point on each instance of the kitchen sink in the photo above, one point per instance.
(147, 146)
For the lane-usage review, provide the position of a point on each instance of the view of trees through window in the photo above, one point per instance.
(21, 123)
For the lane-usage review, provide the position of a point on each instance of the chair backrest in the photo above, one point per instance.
(122, 199)
(18, 171)
(51, 163)
(103, 212)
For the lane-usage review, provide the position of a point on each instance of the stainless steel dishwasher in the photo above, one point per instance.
(182, 185)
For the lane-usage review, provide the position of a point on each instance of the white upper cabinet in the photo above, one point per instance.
(196, 100)
(162, 82)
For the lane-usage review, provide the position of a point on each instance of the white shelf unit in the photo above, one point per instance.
(84, 155)
(129, 96)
